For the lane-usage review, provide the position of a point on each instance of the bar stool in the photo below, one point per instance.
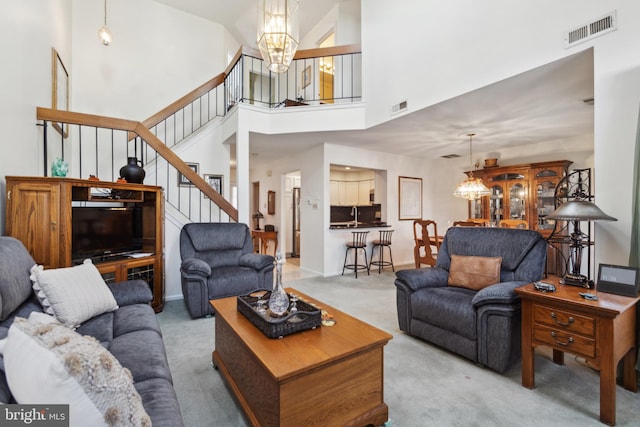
(384, 241)
(358, 241)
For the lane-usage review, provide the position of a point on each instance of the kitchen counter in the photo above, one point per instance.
(350, 225)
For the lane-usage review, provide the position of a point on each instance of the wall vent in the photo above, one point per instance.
(589, 31)
(450, 156)
(401, 106)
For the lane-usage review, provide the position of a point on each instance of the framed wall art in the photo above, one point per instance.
(271, 202)
(59, 89)
(409, 198)
(306, 76)
(183, 181)
(214, 181)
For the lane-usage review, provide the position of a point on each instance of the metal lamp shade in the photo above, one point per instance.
(278, 33)
(579, 210)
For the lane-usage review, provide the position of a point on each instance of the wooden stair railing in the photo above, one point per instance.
(220, 78)
(142, 129)
(139, 129)
(181, 103)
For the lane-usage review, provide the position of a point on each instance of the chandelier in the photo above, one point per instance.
(471, 188)
(104, 33)
(278, 33)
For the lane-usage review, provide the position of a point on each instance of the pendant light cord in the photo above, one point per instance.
(105, 13)
(470, 154)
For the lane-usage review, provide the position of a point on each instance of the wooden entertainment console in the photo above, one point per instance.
(39, 213)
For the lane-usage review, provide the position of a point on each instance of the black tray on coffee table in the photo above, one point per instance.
(305, 317)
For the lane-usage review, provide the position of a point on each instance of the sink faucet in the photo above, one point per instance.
(354, 212)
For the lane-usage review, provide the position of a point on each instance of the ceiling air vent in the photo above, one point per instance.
(399, 107)
(450, 156)
(589, 31)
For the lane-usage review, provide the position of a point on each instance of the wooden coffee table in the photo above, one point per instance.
(328, 376)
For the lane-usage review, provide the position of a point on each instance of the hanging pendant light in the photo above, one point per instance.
(104, 33)
(278, 33)
(471, 188)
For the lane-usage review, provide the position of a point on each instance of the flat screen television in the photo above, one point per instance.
(103, 232)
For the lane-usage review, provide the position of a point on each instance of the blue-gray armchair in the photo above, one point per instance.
(481, 325)
(217, 262)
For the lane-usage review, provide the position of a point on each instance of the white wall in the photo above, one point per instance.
(28, 30)
(348, 28)
(343, 19)
(157, 55)
(459, 46)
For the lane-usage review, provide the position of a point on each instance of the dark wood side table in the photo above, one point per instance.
(603, 332)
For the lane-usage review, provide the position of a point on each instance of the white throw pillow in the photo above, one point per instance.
(73, 294)
(48, 363)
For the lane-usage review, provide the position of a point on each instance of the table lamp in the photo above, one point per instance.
(577, 211)
(258, 216)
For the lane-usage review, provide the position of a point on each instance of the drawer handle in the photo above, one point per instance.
(571, 320)
(564, 344)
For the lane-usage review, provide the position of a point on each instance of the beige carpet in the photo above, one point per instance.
(423, 385)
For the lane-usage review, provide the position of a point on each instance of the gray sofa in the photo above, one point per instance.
(131, 333)
(483, 326)
(218, 261)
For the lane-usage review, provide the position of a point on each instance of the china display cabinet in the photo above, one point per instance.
(526, 192)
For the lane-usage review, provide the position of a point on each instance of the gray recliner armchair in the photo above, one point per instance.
(484, 325)
(217, 262)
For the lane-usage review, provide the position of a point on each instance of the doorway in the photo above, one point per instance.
(292, 218)
(255, 204)
(326, 70)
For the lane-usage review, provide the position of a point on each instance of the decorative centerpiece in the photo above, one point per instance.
(132, 171)
(59, 167)
(491, 163)
(277, 313)
(279, 300)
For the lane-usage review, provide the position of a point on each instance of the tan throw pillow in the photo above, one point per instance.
(474, 272)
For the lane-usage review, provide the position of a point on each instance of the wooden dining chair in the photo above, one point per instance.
(424, 240)
(513, 223)
(467, 223)
(481, 222)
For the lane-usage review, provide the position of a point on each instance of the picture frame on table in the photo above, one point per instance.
(183, 181)
(409, 198)
(619, 280)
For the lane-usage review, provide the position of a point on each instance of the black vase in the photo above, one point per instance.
(132, 172)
